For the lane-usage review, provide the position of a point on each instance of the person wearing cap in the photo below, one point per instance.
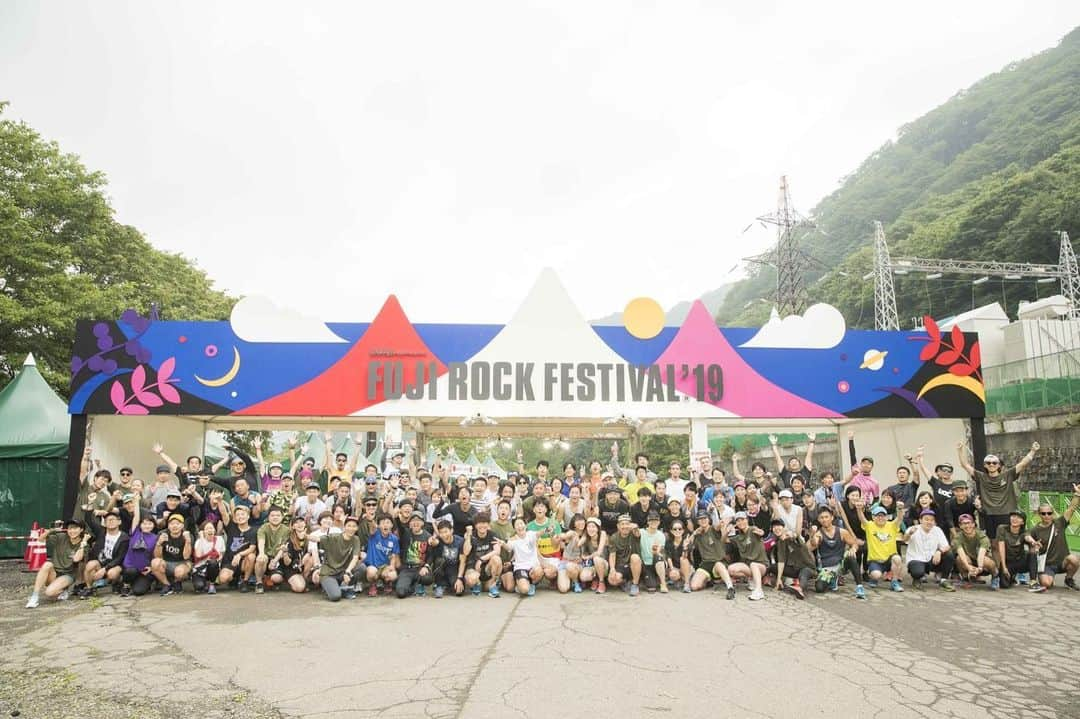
(382, 556)
(941, 482)
(284, 497)
(792, 467)
(972, 549)
(270, 477)
(1050, 547)
(240, 465)
(397, 463)
(928, 551)
(1016, 561)
(66, 548)
(123, 484)
(862, 473)
(996, 486)
(710, 543)
(612, 506)
(837, 550)
(340, 555)
(106, 556)
(338, 465)
(310, 505)
(785, 509)
(960, 504)
(882, 552)
(240, 546)
(173, 504)
(142, 540)
(172, 555)
(415, 572)
(793, 560)
(624, 555)
(652, 544)
(269, 539)
(164, 482)
(751, 559)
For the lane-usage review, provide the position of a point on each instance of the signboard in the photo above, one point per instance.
(547, 361)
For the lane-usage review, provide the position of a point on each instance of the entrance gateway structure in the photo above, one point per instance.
(546, 371)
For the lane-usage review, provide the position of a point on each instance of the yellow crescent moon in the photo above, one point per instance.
(228, 376)
(969, 383)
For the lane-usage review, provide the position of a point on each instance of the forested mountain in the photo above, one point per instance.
(993, 173)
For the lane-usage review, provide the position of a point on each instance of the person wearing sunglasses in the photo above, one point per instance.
(996, 486)
(1053, 555)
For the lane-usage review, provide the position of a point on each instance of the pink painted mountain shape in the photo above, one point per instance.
(746, 393)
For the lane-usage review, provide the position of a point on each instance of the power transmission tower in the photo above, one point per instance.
(884, 295)
(1067, 272)
(790, 262)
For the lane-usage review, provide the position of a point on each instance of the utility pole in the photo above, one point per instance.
(1070, 276)
(884, 295)
(790, 262)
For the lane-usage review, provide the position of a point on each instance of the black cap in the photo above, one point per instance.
(74, 523)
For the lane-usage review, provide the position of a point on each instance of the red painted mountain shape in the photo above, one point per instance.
(746, 393)
(341, 390)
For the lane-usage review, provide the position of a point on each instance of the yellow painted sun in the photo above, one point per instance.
(643, 318)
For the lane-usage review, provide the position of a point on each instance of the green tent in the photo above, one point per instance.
(34, 427)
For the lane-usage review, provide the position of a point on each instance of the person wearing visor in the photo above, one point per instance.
(996, 486)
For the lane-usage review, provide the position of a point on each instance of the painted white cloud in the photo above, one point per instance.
(820, 327)
(258, 319)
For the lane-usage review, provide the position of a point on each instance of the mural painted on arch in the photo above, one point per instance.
(547, 361)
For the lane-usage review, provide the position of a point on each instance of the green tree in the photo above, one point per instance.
(64, 256)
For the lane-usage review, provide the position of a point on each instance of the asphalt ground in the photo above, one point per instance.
(972, 653)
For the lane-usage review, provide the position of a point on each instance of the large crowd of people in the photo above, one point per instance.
(408, 531)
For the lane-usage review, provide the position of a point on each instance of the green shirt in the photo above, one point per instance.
(794, 554)
(61, 550)
(710, 547)
(337, 553)
(1057, 549)
(749, 547)
(623, 548)
(502, 530)
(971, 545)
(998, 494)
(273, 538)
(648, 539)
(1015, 549)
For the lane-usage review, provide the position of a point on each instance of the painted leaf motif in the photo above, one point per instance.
(116, 395)
(138, 379)
(957, 338)
(931, 327)
(169, 393)
(947, 357)
(975, 356)
(930, 350)
(961, 369)
(134, 409)
(149, 398)
(165, 370)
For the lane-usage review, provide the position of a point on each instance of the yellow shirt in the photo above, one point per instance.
(881, 541)
(632, 489)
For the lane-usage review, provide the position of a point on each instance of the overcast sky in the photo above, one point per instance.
(446, 152)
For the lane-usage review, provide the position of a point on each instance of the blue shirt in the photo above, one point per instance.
(380, 549)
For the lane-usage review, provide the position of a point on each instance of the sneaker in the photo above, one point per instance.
(32, 602)
(84, 593)
(115, 588)
(663, 589)
(896, 586)
(532, 589)
(166, 590)
(211, 588)
(178, 588)
(577, 587)
(634, 590)
(946, 585)
(1022, 578)
(686, 588)
(730, 593)
(476, 590)
(419, 591)
(494, 591)
(346, 593)
(100, 584)
(756, 595)
(872, 584)
(259, 588)
(1070, 582)
(125, 591)
(995, 583)
(966, 584)
(439, 591)
(601, 587)
(796, 589)
(251, 580)
(244, 588)
(373, 590)
(1036, 589)
(860, 591)
(916, 584)
(64, 596)
(595, 584)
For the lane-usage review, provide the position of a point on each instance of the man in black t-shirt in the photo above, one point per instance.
(240, 546)
(611, 507)
(960, 504)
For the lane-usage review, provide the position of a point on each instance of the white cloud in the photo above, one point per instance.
(820, 327)
(259, 319)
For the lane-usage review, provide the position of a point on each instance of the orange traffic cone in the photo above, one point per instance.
(38, 555)
(29, 544)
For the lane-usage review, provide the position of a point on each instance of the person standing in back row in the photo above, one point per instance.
(996, 486)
